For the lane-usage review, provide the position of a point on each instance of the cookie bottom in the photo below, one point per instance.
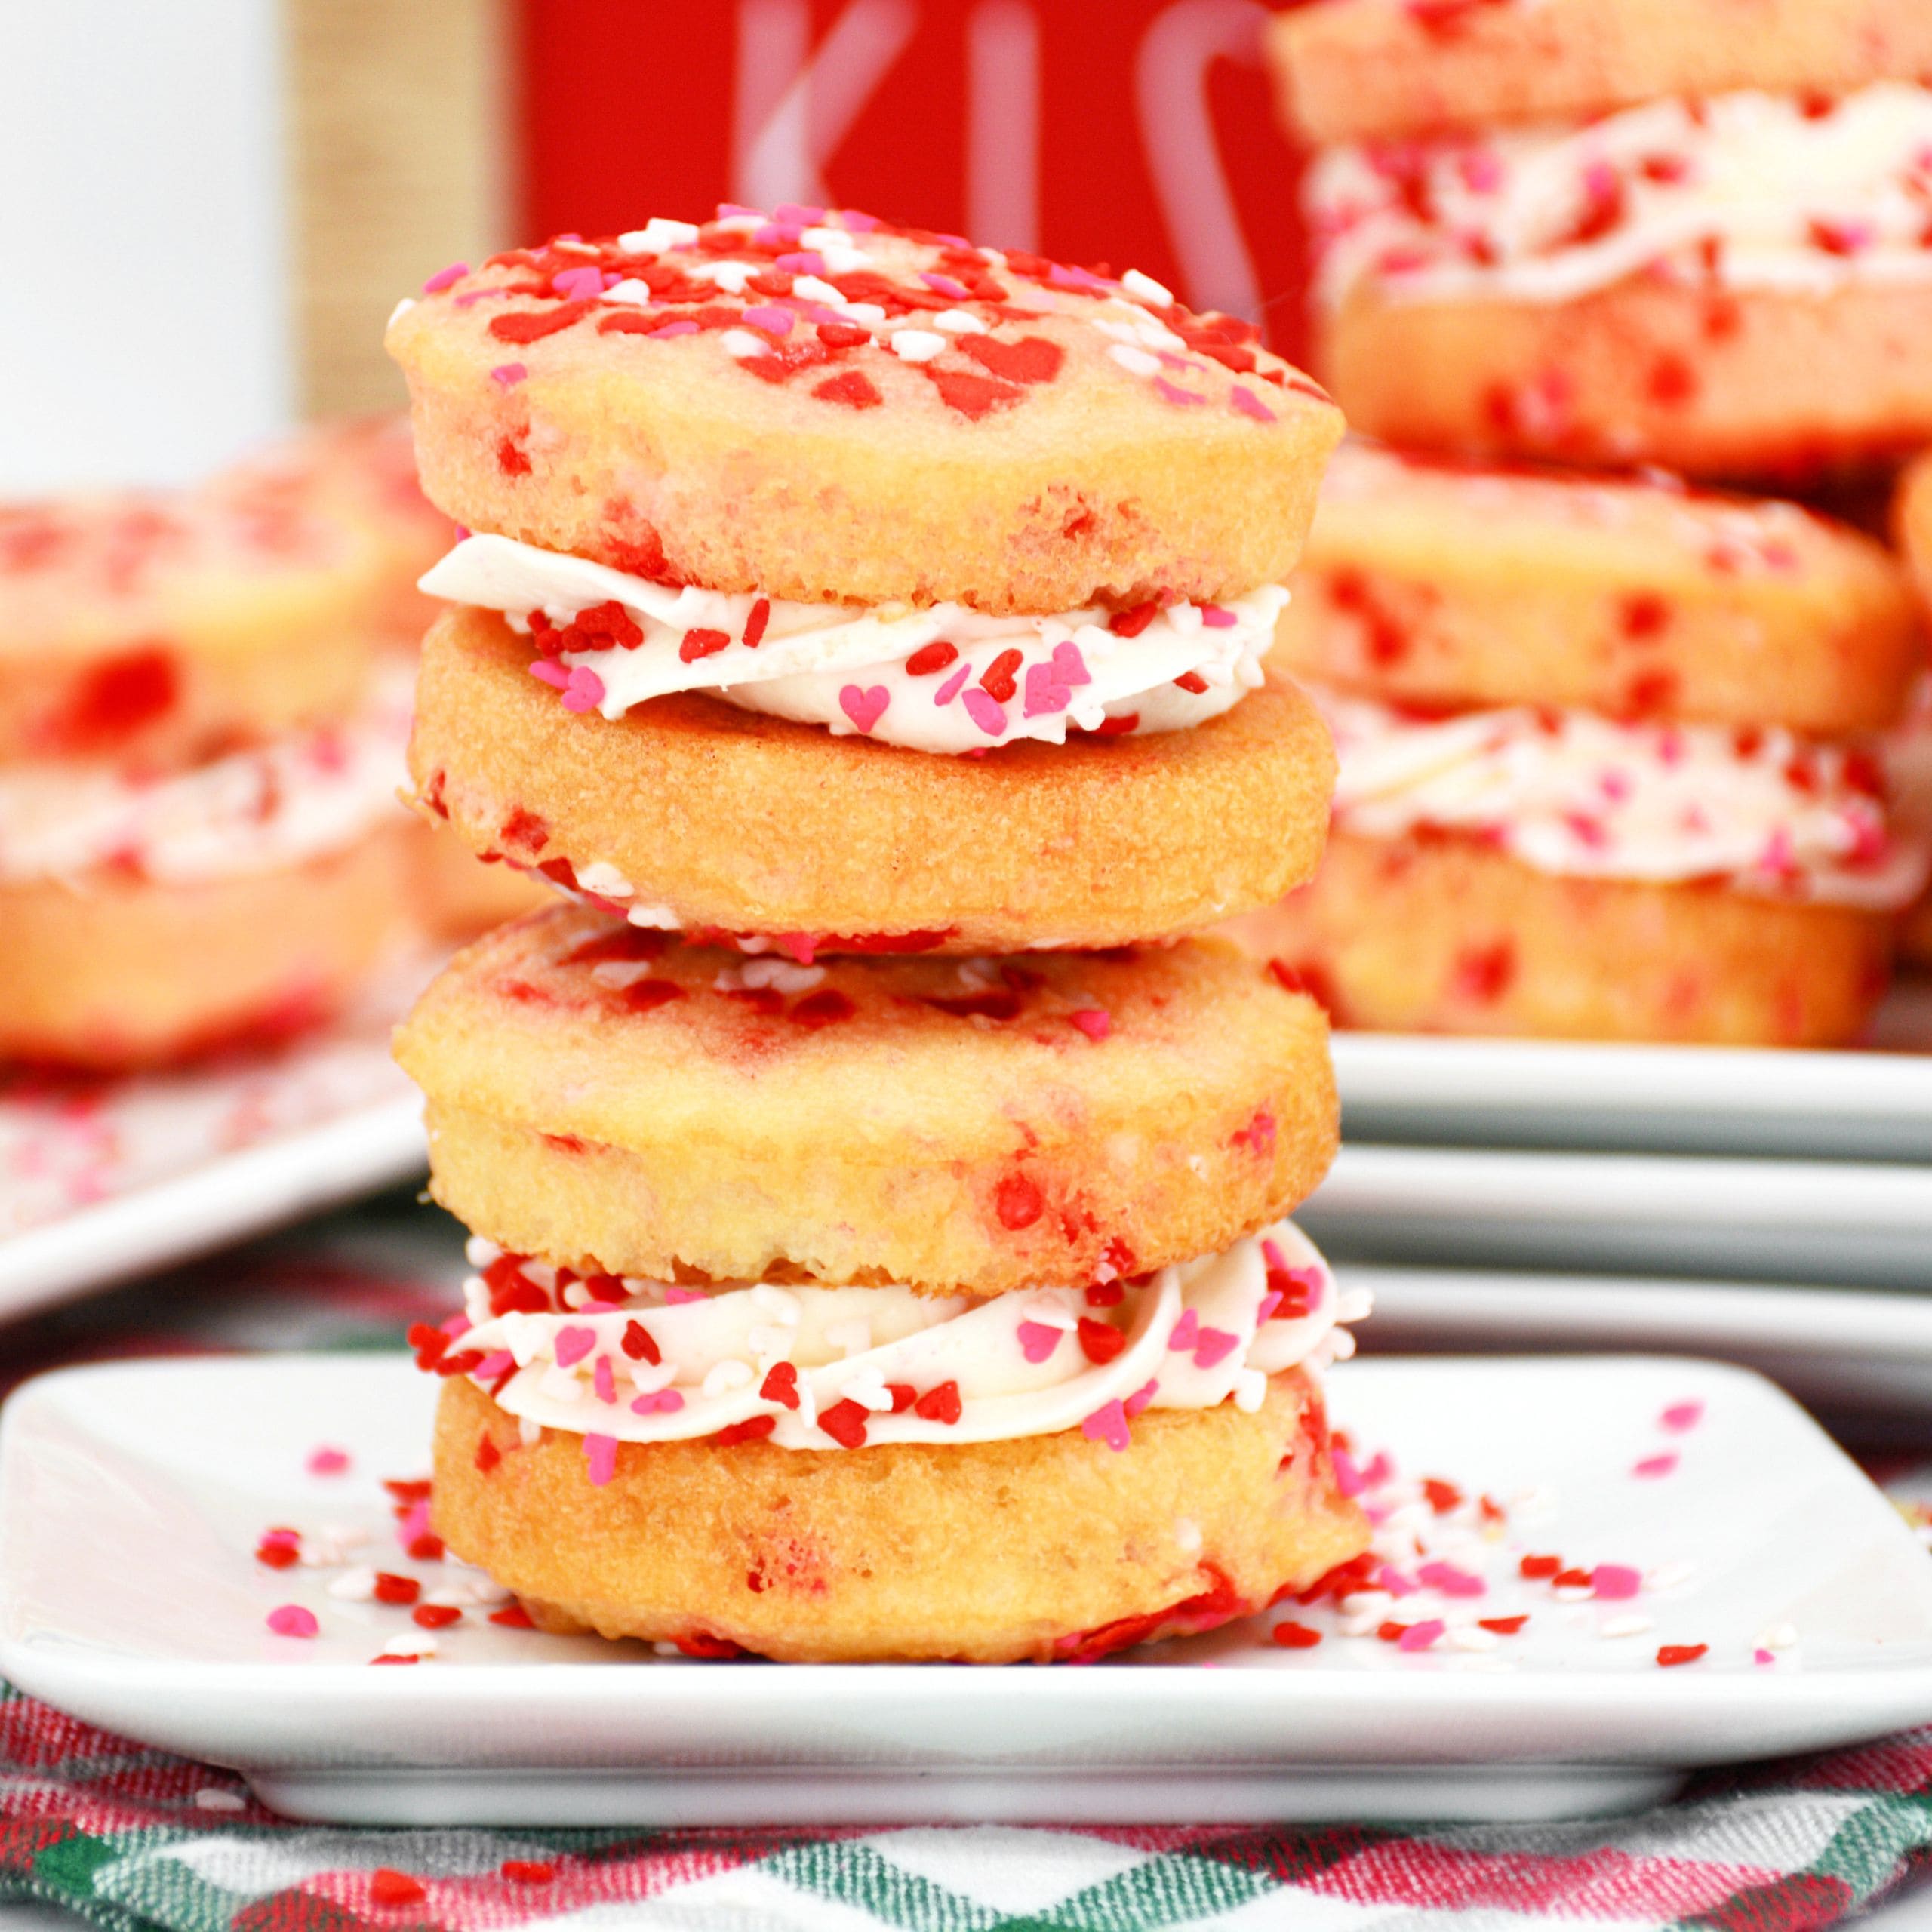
(1709, 381)
(1045, 1548)
(112, 975)
(1443, 936)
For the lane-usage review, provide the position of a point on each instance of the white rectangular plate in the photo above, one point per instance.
(131, 1496)
(1867, 1105)
(103, 1180)
(1868, 1222)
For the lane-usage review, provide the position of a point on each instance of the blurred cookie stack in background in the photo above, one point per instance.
(1613, 751)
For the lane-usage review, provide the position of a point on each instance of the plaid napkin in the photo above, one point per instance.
(132, 1838)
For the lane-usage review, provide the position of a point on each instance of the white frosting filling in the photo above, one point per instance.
(1205, 1332)
(860, 670)
(294, 798)
(1749, 190)
(1574, 793)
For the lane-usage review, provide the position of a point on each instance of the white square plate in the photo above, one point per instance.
(132, 1495)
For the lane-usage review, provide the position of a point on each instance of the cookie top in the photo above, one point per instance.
(604, 1093)
(1439, 584)
(817, 406)
(1352, 69)
(148, 624)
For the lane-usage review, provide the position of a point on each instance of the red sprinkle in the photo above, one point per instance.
(435, 1616)
(1503, 1626)
(844, 1422)
(1670, 1655)
(702, 644)
(781, 1385)
(1018, 1202)
(929, 658)
(753, 1429)
(1540, 1566)
(392, 1589)
(391, 1888)
(528, 1870)
(1131, 623)
(854, 390)
(1101, 1341)
(1296, 1636)
(639, 1344)
(755, 624)
(940, 1404)
(512, 1616)
(1000, 681)
(488, 1454)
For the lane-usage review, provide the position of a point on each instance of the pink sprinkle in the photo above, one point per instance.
(443, 277)
(854, 222)
(864, 707)
(985, 711)
(597, 1308)
(738, 211)
(944, 284)
(805, 261)
(1045, 692)
(948, 691)
(1037, 1340)
(1616, 1580)
(1058, 277)
(470, 297)
(1270, 1301)
(1167, 392)
(1657, 1465)
(601, 1453)
(574, 1344)
(499, 1361)
(1271, 1253)
(281, 1540)
(1681, 1416)
(666, 1401)
(676, 1297)
(548, 671)
(1420, 1636)
(603, 1380)
(1171, 361)
(769, 317)
(777, 234)
(797, 214)
(1381, 1470)
(1216, 1345)
(1216, 619)
(1107, 1424)
(1762, 1656)
(1452, 1582)
(1095, 1023)
(413, 1522)
(509, 373)
(455, 1326)
(1141, 1396)
(585, 691)
(672, 329)
(1249, 404)
(1187, 1332)
(1348, 1478)
(1397, 1582)
(328, 1461)
(577, 283)
(1069, 665)
(291, 1620)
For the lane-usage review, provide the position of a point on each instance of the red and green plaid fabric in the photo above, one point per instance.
(132, 1838)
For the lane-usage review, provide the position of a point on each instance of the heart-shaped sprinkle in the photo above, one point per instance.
(1037, 1341)
(1216, 1344)
(1187, 1332)
(864, 707)
(1107, 1424)
(984, 713)
(600, 1452)
(1069, 666)
(574, 1344)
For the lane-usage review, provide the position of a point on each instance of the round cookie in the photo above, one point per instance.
(1442, 935)
(601, 1096)
(1352, 69)
(1045, 1548)
(112, 974)
(722, 819)
(1714, 382)
(821, 407)
(157, 630)
(1432, 583)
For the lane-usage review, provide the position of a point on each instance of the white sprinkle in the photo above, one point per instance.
(850, 1338)
(479, 1253)
(529, 1431)
(345, 1536)
(410, 1647)
(657, 234)
(649, 1376)
(835, 248)
(809, 288)
(1251, 1390)
(1779, 1637)
(620, 972)
(1187, 1536)
(665, 1649)
(1197, 1165)
(868, 1389)
(917, 345)
(869, 315)
(1632, 1623)
(1145, 286)
(1669, 1576)
(401, 310)
(1472, 1637)
(574, 248)
(730, 276)
(784, 974)
(576, 1295)
(1136, 362)
(723, 1376)
(1364, 1623)
(743, 344)
(354, 1586)
(630, 290)
(209, 1799)
(540, 1274)
(957, 322)
(1574, 1593)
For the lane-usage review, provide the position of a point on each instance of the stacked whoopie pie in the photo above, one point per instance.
(1607, 758)
(1622, 231)
(879, 1244)
(201, 727)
